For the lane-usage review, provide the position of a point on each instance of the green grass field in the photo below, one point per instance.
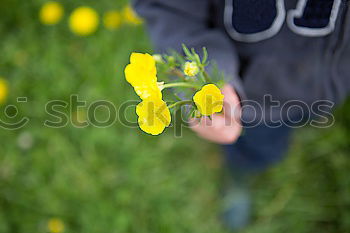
(119, 179)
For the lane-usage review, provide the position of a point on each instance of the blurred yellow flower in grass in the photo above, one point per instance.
(51, 13)
(55, 225)
(209, 100)
(3, 90)
(83, 21)
(191, 69)
(112, 19)
(154, 115)
(130, 16)
(141, 73)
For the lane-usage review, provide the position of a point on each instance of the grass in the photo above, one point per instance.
(118, 179)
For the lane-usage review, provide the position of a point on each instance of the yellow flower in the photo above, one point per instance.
(55, 225)
(51, 13)
(112, 19)
(3, 90)
(209, 100)
(148, 90)
(141, 73)
(144, 61)
(154, 115)
(83, 21)
(191, 69)
(130, 16)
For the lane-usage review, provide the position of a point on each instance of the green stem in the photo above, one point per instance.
(180, 103)
(178, 73)
(206, 76)
(201, 75)
(180, 84)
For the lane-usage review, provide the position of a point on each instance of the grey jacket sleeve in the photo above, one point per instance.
(173, 22)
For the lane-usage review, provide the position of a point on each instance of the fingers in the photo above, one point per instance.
(202, 128)
(232, 106)
(215, 130)
(230, 94)
(200, 125)
(216, 122)
(222, 128)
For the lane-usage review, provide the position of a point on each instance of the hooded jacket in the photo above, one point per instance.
(290, 50)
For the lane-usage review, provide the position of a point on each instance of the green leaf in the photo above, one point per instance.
(186, 51)
(205, 56)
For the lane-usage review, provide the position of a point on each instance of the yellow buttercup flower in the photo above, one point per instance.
(141, 73)
(141, 70)
(55, 225)
(145, 61)
(209, 100)
(51, 13)
(130, 16)
(191, 69)
(146, 91)
(83, 21)
(154, 115)
(112, 19)
(3, 90)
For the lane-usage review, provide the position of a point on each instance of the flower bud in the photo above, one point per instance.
(191, 69)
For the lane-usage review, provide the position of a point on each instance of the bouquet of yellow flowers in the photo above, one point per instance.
(186, 75)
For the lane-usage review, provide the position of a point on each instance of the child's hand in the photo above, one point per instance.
(224, 128)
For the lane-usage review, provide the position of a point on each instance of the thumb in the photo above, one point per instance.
(232, 105)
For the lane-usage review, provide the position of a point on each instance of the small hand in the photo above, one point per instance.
(223, 128)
